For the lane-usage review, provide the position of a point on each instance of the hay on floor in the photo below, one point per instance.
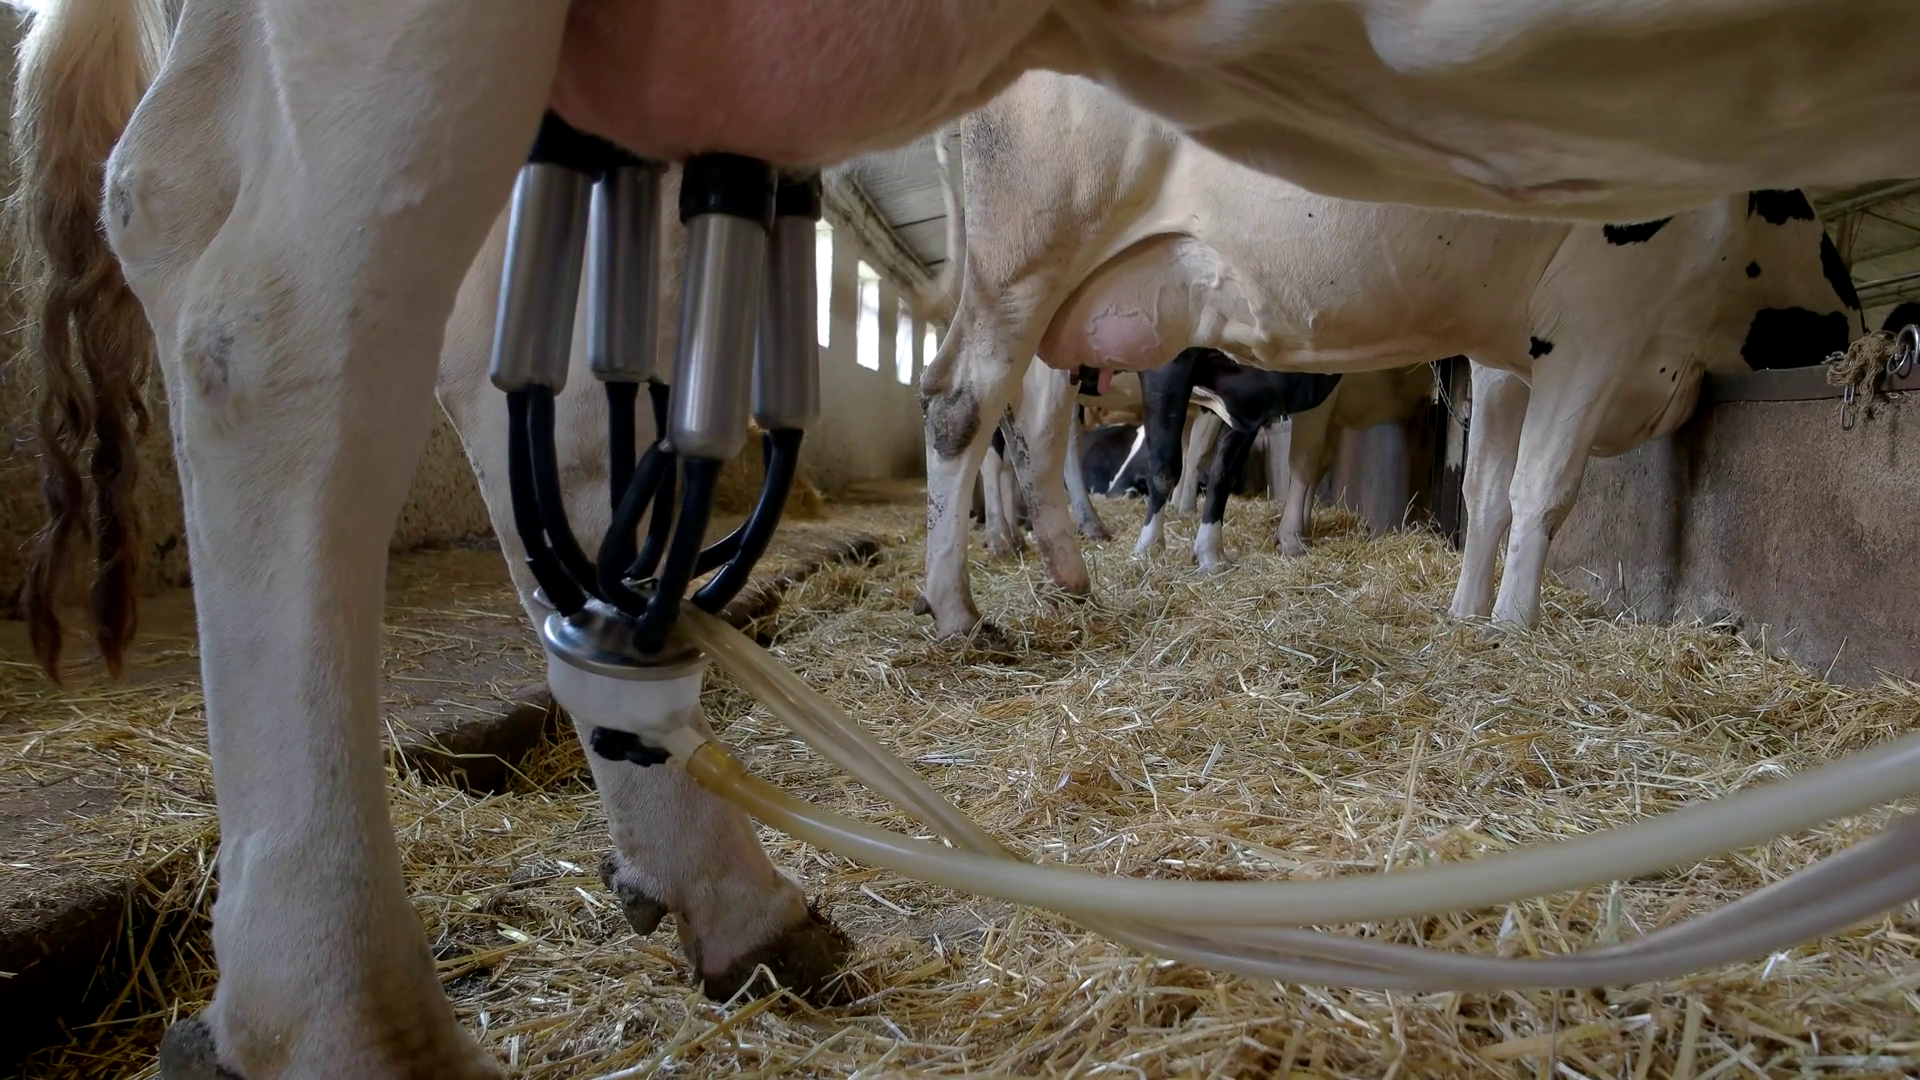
(1292, 718)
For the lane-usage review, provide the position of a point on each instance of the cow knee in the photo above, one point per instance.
(169, 187)
(953, 420)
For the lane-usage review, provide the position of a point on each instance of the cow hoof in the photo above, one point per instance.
(920, 605)
(187, 1053)
(1215, 566)
(809, 959)
(643, 912)
(1292, 548)
(1095, 532)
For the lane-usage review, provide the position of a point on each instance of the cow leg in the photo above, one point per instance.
(1164, 394)
(1493, 444)
(731, 907)
(1037, 448)
(963, 392)
(1085, 518)
(298, 260)
(1202, 436)
(1564, 409)
(1228, 461)
(1309, 454)
(1279, 439)
(996, 477)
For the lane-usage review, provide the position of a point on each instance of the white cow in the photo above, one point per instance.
(304, 186)
(1120, 243)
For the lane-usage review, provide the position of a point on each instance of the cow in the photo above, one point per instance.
(1175, 245)
(1121, 468)
(1092, 388)
(1115, 464)
(283, 200)
(1256, 403)
(1360, 401)
(1247, 400)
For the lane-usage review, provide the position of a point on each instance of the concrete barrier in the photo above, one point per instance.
(1769, 515)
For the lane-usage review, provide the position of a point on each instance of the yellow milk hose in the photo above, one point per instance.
(1249, 927)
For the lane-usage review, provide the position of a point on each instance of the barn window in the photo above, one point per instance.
(868, 331)
(823, 278)
(903, 346)
(929, 345)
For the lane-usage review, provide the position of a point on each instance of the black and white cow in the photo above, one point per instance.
(1114, 460)
(1246, 399)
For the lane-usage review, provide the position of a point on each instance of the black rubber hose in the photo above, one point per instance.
(783, 461)
(728, 546)
(546, 486)
(622, 450)
(696, 506)
(660, 526)
(561, 590)
(616, 549)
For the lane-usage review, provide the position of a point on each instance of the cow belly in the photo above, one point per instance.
(798, 82)
(1143, 306)
(1560, 108)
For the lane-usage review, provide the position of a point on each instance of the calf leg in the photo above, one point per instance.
(732, 908)
(1037, 443)
(1228, 461)
(1202, 436)
(1085, 518)
(1279, 439)
(1309, 453)
(1564, 410)
(1493, 444)
(298, 261)
(1002, 528)
(1164, 394)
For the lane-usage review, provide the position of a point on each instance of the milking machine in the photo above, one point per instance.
(628, 648)
(583, 207)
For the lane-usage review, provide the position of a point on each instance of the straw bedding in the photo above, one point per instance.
(1307, 718)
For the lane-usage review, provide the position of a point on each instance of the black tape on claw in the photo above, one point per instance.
(615, 745)
(799, 198)
(728, 184)
(560, 143)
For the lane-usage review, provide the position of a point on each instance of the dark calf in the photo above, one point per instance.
(1113, 460)
(1246, 398)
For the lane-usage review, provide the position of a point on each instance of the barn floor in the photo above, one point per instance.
(1304, 717)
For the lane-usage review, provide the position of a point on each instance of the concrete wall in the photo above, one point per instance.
(1769, 514)
(870, 425)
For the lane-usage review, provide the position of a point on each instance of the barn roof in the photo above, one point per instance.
(1877, 229)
